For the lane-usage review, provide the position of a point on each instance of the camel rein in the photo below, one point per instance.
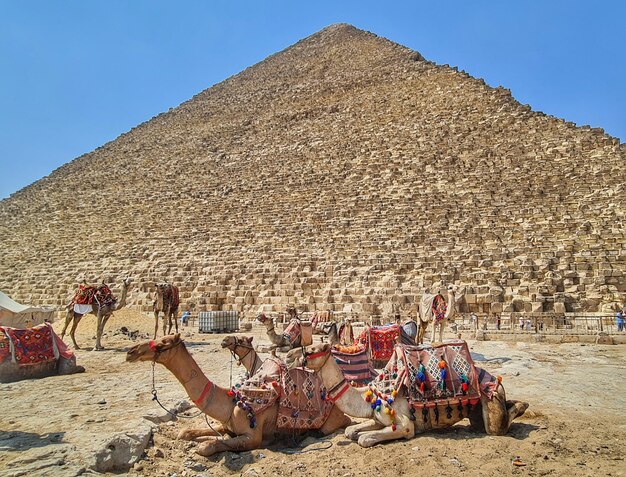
(157, 352)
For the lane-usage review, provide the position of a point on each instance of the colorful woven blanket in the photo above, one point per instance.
(90, 294)
(30, 346)
(433, 375)
(439, 308)
(355, 366)
(293, 330)
(301, 395)
(381, 340)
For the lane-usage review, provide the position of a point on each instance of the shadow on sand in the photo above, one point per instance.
(20, 441)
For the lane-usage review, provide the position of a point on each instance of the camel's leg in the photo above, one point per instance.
(516, 409)
(441, 326)
(156, 324)
(336, 420)
(244, 442)
(352, 432)
(433, 335)
(68, 317)
(193, 434)
(98, 332)
(404, 429)
(167, 319)
(175, 318)
(105, 319)
(77, 319)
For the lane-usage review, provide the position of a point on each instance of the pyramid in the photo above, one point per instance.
(345, 172)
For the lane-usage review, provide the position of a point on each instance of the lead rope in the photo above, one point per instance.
(155, 398)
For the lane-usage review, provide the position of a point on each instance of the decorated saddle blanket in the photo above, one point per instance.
(299, 329)
(321, 317)
(432, 375)
(381, 340)
(346, 334)
(29, 346)
(301, 395)
(172, 295)
(354, 363)
(100, 295)
(439, 308)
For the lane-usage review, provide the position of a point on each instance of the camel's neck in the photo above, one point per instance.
(121, 303)
(451, 306)
(249, 359)
(352, 401)
(271, 332)
(333, 336)
(209, 397)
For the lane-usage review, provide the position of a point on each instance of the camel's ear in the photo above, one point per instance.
(326, 347)
(249, 339)
(176, 338)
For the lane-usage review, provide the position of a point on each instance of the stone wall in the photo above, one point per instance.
(345, 172)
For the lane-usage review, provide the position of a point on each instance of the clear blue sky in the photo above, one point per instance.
(77, 74)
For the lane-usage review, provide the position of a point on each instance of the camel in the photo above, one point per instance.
(242, 432)
(391, 417)
(243, 349)
(103, 313)
(166, 300)
(278, 341)
(330, 330)
(427, 314)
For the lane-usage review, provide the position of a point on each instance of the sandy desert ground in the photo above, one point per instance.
(56, 426)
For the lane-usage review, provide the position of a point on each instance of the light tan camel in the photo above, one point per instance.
(494, 416)
(103, 313)
(244, 351)
(166, 300)
(427, 316)
(279, 341)
(218, 402)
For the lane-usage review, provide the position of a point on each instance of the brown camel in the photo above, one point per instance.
(395, 420)
(245, 353)
(242, 434)
(102, 311)
(166, 300)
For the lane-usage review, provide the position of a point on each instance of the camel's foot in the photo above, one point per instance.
(368, 440)
(207, 449)
(98, 348)
(352, 432)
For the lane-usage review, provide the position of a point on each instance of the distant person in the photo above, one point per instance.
(521, 322)
(474, 319)
(497, 322)
(619, 320)
(184, 319)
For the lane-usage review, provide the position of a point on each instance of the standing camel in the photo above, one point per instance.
(166, 300)
(433, 309)
(245, 430)
(103, 312)
(390, 416)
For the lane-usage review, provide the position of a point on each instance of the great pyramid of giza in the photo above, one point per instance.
(345, 172)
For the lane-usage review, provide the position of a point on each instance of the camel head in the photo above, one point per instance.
(328, 326)
(232, 342)
(263, 319)
(154, 350)
(315, 356)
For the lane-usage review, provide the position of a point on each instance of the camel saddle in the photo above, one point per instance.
(434, 375)
(301, 328)
(88, 294)
(381, 340)
(29, 346)
(301, 395)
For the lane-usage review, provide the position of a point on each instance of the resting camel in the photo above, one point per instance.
(427, 315)
(242, 348)
(396, 421)
(166, 300)
(103, 313)
(218, 403)
(279, 341)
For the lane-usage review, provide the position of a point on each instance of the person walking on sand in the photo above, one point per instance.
(619, 321)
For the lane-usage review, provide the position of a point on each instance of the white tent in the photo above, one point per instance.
(22, 316)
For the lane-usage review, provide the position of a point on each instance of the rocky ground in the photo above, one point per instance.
(92, 423)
